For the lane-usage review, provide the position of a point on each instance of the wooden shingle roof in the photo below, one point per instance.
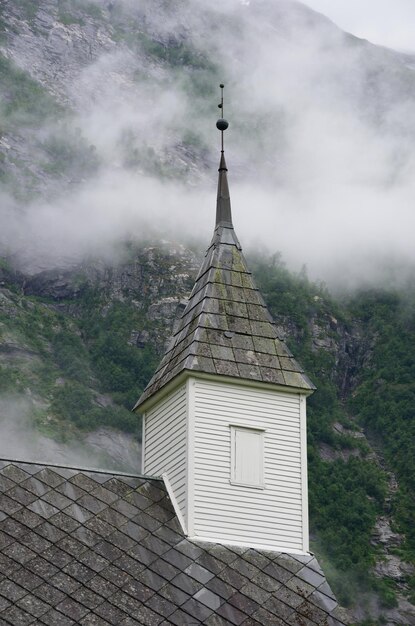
(226, 327)
(99, 548)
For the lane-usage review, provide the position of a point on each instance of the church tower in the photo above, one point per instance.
(224, 416)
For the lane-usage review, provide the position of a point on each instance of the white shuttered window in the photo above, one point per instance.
(247, 457)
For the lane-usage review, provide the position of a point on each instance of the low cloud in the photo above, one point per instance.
(319, 149)
(379, 21)
(19, 440)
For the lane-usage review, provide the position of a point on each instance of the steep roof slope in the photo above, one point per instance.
(98, 548)
(226, 327)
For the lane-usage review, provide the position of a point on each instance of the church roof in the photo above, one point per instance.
(226, 327)
(100, 548)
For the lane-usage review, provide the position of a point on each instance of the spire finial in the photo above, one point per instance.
(221, 124)
(223, 205)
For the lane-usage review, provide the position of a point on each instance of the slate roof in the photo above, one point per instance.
(99, 548)
(226, 327)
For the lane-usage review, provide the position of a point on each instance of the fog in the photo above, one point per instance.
(319, 149)
(20, 439)
(380, 21)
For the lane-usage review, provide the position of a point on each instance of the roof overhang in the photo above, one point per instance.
(218, 378)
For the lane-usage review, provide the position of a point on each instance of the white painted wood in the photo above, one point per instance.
(172, 496)
(275, 516)
(199, 436)
(165, 437)
(304, 473)
(143, 444)
(182, 377)
(191, 455)
(257, 546)
(247, 456)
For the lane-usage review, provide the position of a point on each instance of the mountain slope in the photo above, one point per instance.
(78, 346)
(107, 109)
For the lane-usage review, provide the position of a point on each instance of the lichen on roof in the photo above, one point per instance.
(226, 327)
(95, 548)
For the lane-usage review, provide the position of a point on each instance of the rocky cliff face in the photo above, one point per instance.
(62, 61)
(102, 98)
(150, 284)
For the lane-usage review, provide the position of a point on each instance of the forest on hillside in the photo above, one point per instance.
(356, 349)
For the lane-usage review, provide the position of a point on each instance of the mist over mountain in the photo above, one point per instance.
(109, 132)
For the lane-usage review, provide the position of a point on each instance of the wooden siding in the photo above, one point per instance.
(165, 442)
(273, 516)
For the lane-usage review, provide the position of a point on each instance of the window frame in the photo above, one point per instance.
(233, 457)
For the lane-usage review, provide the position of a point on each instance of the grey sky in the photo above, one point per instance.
(384, 22)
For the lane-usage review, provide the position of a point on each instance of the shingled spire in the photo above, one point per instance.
(223, 202)
(224, 416)
(226, 328)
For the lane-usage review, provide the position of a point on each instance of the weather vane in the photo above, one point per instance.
(221, 124)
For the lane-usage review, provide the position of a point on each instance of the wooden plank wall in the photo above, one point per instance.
(272, 516)
(165, 442)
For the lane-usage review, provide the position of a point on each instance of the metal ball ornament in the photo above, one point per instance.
(222, 124)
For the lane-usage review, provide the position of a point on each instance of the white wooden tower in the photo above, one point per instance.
(224, 416)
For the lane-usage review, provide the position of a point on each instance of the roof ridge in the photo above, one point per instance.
(81, 469)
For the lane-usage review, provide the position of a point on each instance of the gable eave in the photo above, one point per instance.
(146, 403)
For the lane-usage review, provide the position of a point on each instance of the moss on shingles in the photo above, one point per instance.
(86, 353)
